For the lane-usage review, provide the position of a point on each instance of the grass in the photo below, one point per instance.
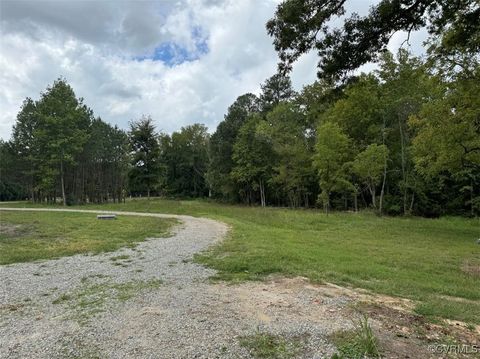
(30, 236)
(417, 258)
(358, 343)
(268, 346)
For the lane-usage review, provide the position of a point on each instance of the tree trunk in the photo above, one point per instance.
(404, 169)
(326, 204)
(63, 184)
(382, 191)
(471, 197)
(371, 189)
(262, 193)
(355, 201)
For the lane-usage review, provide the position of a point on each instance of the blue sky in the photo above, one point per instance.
(172, 53)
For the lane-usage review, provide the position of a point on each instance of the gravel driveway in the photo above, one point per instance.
(152, 301)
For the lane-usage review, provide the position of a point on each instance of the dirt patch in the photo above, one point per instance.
(401, 333)
(471, 267)
(404, 334)
(10, 230)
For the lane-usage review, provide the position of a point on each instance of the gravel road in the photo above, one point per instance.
(152, 301)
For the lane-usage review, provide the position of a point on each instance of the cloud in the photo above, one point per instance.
(180, 62)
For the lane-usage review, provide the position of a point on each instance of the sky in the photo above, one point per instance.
(181, 62)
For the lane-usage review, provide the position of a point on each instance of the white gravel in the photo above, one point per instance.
(184, 317)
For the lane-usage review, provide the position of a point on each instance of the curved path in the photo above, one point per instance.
(113, 305)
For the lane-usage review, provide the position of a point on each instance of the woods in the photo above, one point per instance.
(60, 150)
(401, 139)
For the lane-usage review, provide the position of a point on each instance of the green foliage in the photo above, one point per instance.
(221, 184)
(59, 149)
(370, 165)
(252, 155)
(358, 343)
(184, 155)
(332, 152)
(403, 138)
(300, 26)
(265, 345)
(276, 89)
(448, 136)
(293, 173)
(144, 175)
(359, 111)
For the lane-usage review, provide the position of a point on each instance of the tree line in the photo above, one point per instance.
(59, 149)
(402, 139)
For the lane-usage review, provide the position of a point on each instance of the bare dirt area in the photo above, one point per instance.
(152, 301)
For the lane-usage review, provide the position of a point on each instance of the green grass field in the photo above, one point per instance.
(29, 236)
(433, 261)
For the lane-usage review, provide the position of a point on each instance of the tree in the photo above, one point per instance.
(303, 25)
(221, 147)
(60, 134)
(59, 147)
(24, 146)
(286, 129)
(448, 135)
(359, 111)
(369, 166)
(12, 186)
(145, 172)
(106, 161)
(405, 86)
(253, 157)
(185, 159)
(274, 90)
(332, 153)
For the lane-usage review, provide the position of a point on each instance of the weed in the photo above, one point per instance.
(265, 345)
(358, 343)
(63, 298)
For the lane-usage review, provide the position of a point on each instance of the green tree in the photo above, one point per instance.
(145, 172)
(303, 25)
(253, 157)
(359, 112)
(286, 129)
(275, 89)
(12, 184)
(190, 146)
(448, 135)
(60, 134)
(332, 153)
(25, 148)
(370, 166)
(105, 163)
(221, 147)
(405, 86)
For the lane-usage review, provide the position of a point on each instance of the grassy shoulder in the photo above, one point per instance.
(432, 261)
(29, 236)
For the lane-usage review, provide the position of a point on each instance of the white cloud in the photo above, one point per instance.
(94, 45)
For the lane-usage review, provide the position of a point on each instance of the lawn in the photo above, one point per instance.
(29, 236)
(433, 261)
